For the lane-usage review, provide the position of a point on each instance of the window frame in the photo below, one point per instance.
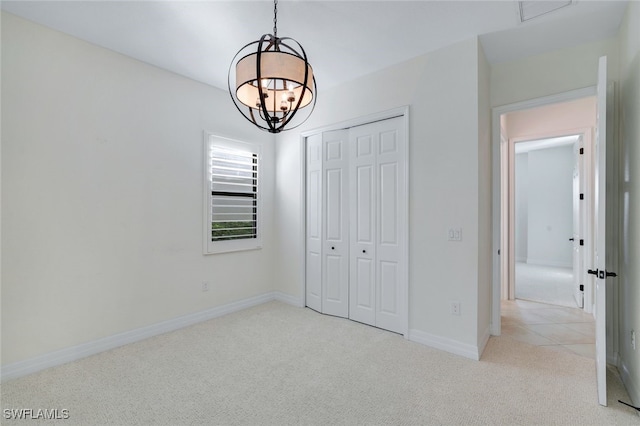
(240, 244)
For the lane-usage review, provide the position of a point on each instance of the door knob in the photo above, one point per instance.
(364, 251)
(592, 272)
(333, 248)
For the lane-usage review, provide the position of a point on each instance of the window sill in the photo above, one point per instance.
(221, 248)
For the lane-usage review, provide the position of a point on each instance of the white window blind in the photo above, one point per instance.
(232, 187)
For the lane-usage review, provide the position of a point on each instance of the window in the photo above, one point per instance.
(232, 201)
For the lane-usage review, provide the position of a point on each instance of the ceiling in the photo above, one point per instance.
(343, 39)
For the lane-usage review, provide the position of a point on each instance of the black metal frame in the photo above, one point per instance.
(274, 123)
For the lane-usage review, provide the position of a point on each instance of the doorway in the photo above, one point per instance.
(534, 128)
(604, 182)
(547, 143)
(547, 203)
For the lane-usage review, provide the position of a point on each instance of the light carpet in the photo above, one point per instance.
(275, 364)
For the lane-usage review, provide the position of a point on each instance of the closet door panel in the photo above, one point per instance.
(313, 296)
(334, 228)
(388, 216)
(389, 288)
(390, 310)
(362, 225)
(335, 280)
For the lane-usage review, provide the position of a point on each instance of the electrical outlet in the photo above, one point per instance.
(205, 285)
(455, 308)
(633, 339)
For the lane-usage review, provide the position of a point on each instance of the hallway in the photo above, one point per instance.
(556, 327)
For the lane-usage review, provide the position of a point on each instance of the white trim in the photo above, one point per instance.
(484, 339)
(629, 384)
(359, 121)
(402, 112)
(448, 345)
(210, 247)
(496, 112)
(74, 353)
(289, 299)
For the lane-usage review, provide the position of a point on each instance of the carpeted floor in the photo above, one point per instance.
(275, 364)
(545, 284)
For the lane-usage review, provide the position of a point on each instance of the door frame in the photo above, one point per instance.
(500, 173)
(401, 112)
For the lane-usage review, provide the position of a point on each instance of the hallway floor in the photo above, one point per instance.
(556, 327)
(545, 284)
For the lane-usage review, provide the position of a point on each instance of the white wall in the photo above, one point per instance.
(629, 267)
(550, 206)
(102, 194)
(550, 120)
(550, 73)
(521, 174)
(442, 91)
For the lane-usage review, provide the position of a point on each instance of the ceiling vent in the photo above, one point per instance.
(534, 8)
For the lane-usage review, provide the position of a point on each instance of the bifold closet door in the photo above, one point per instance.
(314, 223)
(377, 211)
(335, 247)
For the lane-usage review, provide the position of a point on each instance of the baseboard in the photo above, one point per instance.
(484, 339)
(63, 356)
(288, 299)
(632, 388)
(447, 345)
(549, 263)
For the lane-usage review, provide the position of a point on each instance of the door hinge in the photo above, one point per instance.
(581, 151)
(581, 242)
(581, 287)
(582, 196)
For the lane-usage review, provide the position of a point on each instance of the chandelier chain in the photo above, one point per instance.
(275, 18)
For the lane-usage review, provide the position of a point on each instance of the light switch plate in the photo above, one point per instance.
(455, 234)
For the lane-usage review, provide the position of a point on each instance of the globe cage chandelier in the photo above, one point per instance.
(273, 82)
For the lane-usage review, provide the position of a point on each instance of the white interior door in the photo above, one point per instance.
(578, 203)
(600, 232)
(314, 223)
(377, 211)
(362, 179)
(390, 221)
(335, 247)
(357, 223)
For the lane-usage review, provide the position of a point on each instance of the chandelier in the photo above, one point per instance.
(272, 81)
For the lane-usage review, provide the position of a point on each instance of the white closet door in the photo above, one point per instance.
(335, 275)
(377, 212)
(314, 223)
(362, 191)
(391, 213)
